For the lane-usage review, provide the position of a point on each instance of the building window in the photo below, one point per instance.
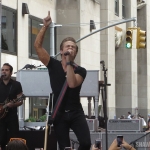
(117, 7)
(8, 30)
(37, 109)
(123, 8)
(35, 25)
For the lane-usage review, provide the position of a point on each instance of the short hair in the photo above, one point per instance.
(10, 67)
(16, 145)
(68, 39)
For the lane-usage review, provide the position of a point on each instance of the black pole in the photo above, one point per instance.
(104, 98)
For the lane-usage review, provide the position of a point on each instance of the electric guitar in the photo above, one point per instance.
(4, 108)
(48, 127)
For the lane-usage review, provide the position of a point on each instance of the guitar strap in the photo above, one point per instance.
(9, 92)
(59, 100)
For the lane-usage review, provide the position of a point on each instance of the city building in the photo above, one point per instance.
(128, 69)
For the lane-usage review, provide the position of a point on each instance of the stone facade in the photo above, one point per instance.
(128, 69)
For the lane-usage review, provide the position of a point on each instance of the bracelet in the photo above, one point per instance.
(43, 29)
(44, 26)
(130, 148)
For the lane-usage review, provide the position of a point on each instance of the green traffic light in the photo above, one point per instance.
(128, 45)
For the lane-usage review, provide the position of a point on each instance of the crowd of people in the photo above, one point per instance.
(114, 146)
(139, 116)
(20, 144)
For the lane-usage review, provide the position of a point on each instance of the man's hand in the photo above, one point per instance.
(95, 148)
(47, 21)
(114, 146)
(71, 56)
(126, 145)
(10, 104)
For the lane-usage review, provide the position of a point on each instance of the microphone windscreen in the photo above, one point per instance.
(66, 53)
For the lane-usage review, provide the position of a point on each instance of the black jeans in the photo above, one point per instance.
(77, 122)
(9, 123)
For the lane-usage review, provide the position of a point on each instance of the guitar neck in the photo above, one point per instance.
(15, 100)
(5, 106)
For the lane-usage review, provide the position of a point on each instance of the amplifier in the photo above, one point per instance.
(132, 125)
(92, 124)
(74, 142)
(140, 139)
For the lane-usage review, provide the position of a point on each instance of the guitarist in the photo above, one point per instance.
(70, 114)
(9, 90)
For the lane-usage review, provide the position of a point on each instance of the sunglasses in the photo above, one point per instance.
(23, 140)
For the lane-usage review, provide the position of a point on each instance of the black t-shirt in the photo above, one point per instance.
(10, 91)
(71, 100)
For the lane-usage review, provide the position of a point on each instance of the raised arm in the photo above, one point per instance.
(41, 52)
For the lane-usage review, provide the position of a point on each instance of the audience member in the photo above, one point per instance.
(148, 118)
(129, 115)
(132, 117)
(16, 144)
(95, 148)
(125, 145)
(122, 117)
(143, 121)
(148, 127)
(114, 146)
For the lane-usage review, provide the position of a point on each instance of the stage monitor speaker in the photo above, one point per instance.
(128, 137)
(73, 139)
(92, 124)
(131, 125)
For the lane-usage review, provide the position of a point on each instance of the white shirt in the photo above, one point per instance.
(129, 117)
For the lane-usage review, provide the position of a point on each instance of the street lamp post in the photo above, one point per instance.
(0, 34)
(52, 38)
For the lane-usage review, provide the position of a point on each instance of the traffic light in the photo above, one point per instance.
(141, 39)
(129, 38)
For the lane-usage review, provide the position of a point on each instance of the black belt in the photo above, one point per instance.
(67, 110)
(71, 110)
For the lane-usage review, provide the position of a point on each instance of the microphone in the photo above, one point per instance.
(3, 75)
(66, 53)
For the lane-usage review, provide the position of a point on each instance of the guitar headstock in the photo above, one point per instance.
(23, 97)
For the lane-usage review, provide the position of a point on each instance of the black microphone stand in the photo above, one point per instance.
(74, 142)
(104, 99)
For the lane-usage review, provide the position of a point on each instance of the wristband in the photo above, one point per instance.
(69, 63)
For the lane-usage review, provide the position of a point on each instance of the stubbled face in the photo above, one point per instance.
(69, 46)
(6, 71)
